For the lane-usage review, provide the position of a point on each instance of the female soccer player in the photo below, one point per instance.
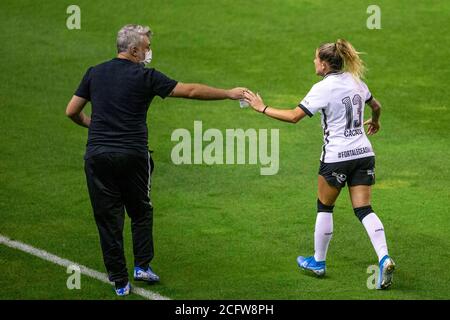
(347, 155)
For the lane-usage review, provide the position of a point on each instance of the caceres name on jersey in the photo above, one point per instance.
(340, 99)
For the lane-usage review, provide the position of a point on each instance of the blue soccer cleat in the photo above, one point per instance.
(146, 275)
(124, 291)
(386, 273)
(310, 264)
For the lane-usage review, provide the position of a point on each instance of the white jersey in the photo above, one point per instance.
(340, 98)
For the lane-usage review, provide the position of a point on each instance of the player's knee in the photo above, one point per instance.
(323, 207)
(362, 212)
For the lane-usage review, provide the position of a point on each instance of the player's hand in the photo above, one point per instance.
(373, 127)
(236, 93)
(254, 100)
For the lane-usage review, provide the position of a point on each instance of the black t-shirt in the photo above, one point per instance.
(120, 92)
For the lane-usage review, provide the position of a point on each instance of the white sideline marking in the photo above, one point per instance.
(65, 263)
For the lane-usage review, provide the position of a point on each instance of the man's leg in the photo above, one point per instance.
(108, 210)
(135, 186)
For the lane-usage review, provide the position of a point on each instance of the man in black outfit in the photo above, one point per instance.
(118, 164)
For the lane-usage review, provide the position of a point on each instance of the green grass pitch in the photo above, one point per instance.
(225, 231)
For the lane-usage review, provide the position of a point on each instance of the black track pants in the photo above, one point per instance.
(119, 182)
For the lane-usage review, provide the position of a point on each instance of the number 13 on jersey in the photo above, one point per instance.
(349, 103)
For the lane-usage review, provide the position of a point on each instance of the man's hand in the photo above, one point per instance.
(254, 100)
(373, 127)
(236, 93)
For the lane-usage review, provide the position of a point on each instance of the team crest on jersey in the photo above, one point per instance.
(340, 177)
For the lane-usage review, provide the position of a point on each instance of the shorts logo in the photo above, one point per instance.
(371, 172)
(340, 177)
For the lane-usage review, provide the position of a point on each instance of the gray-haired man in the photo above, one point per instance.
(117, 162)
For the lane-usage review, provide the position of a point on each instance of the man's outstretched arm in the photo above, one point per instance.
(203, 92)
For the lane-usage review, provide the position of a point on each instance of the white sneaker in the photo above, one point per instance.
(145, 275)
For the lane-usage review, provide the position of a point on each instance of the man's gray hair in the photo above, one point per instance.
(131, 35)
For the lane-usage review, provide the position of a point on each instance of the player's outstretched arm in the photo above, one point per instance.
(287, 115)
(374, 122)
(203, 92)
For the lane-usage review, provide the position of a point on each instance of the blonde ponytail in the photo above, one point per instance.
(350, 57)
(342, 56)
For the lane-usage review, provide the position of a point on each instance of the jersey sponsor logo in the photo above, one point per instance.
(340, 177)
(354, 152)
(352, 132)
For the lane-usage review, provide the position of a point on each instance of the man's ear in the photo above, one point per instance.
(134, 51)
